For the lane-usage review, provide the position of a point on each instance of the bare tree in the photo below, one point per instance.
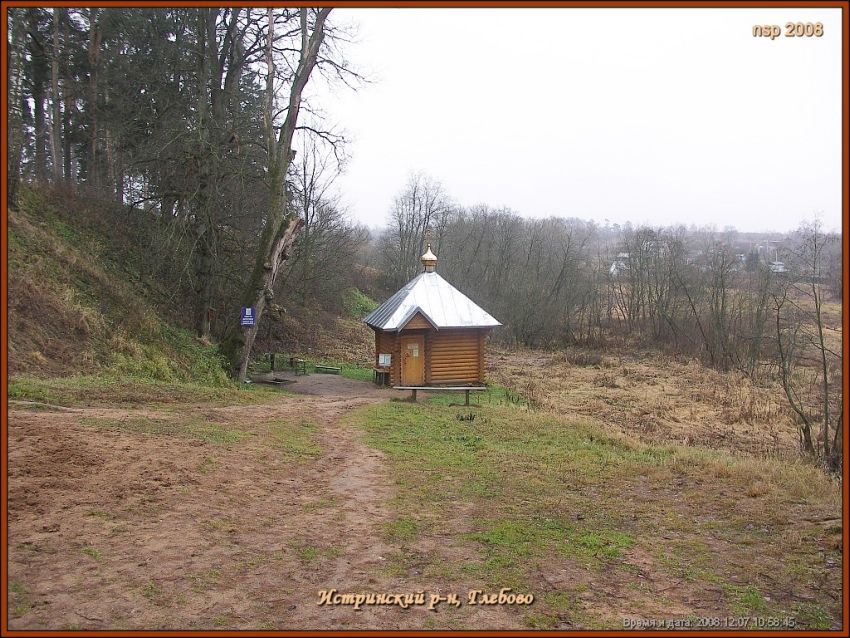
(809, 363)
(282, 224)
(321, 266)
(422, 203)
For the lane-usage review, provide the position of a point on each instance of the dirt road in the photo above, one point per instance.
(202, 517)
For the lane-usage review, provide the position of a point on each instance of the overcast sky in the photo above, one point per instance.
(656, 116)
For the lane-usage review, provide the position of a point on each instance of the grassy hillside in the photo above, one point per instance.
(601, 526)
(81, 323)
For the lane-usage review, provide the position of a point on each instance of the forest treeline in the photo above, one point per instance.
(193, 116)
(195, 124)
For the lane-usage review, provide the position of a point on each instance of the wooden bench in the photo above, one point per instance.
(434, 388)
(327, 369)
(381, 376)
(299, 365)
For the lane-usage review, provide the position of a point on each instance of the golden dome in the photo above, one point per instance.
(429, 260)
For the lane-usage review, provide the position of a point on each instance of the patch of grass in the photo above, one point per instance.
(296, 440)
(204, 580)
(19, 599)
(746, 600)
(511, 537)
(21, 609)
(356, 304)
(494, 395)
(309, 553)
(540, 621)
(111, 390)
(221, 621)
(813, 616)
(88, 550)
(254, 560)
(151, 590)
(544, 493)
(320, 503)
(193, 428)
(17, 588)
(353, 371)
(603, 543)
(106, 516)
(218, 523)
(401, 529)
(207, 465)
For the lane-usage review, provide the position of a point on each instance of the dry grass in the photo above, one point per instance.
(655, 398)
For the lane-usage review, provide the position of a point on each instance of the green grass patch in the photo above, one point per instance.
(207, 465)
(192, 428)
(19, 600)
(204, 580)
(402, 529)
(603, 543)
(295, 440)
(537, 620)
(88, 550)
(813, 616)
(308, 553)
(17, 588)
(543, 492)
(746, 600)
(95, 390)
(151, 590)
(494, 395)
(356, 304)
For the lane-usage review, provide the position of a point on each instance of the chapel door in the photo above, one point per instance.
(413, 360)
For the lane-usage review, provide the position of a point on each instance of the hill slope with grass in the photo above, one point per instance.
(80, 312)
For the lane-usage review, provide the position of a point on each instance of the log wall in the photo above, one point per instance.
(456, 356)
(452, 355)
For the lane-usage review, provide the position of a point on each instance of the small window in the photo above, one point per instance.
(384, 359)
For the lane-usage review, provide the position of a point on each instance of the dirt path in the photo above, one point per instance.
(140, 518)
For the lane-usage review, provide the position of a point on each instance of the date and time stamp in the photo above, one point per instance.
(712, 622)
(790, 30)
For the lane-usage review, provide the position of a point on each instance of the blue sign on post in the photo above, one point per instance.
(246, 318)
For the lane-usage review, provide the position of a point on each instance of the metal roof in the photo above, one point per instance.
(443, 305)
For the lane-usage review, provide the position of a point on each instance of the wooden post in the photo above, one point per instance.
(413, 396)
(467, 397)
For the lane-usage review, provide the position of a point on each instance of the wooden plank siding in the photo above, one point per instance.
(452, 355)
(456, 356)
(417, 321)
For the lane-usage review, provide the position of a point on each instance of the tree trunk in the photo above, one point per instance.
(38, 81)
(55, 98)
(14, 132)
(67, 97)
(258, 293)
(93, 58)
(281, 227)
(204, 276)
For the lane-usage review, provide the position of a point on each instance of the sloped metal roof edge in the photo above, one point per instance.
(382, 313)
